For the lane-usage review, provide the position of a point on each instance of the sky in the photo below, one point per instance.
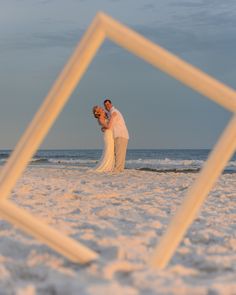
(38, 36)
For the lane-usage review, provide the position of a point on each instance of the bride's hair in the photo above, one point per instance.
(96, 112)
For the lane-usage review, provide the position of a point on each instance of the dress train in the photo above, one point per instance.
(106, 163)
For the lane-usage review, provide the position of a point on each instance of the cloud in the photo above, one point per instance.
(57, 39)
(182, 27)
(214, 14)
(148, 6)
(189, 25)
(28, 41)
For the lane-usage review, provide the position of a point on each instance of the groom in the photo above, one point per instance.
(120, 134)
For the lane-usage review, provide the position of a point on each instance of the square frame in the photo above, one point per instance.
(104, 26)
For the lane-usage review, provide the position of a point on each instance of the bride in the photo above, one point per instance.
(106, 163)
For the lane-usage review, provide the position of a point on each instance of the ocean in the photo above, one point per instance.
(160, 160)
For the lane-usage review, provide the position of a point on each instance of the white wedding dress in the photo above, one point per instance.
(106, 163)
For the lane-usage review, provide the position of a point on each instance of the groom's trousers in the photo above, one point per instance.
(120, 153)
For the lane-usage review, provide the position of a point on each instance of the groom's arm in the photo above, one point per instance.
(109, 125)
(103, 124)
(111, 121)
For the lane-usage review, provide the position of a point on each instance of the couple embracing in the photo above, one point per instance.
(115, 135)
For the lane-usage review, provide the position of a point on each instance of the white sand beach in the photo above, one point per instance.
(122, 217)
